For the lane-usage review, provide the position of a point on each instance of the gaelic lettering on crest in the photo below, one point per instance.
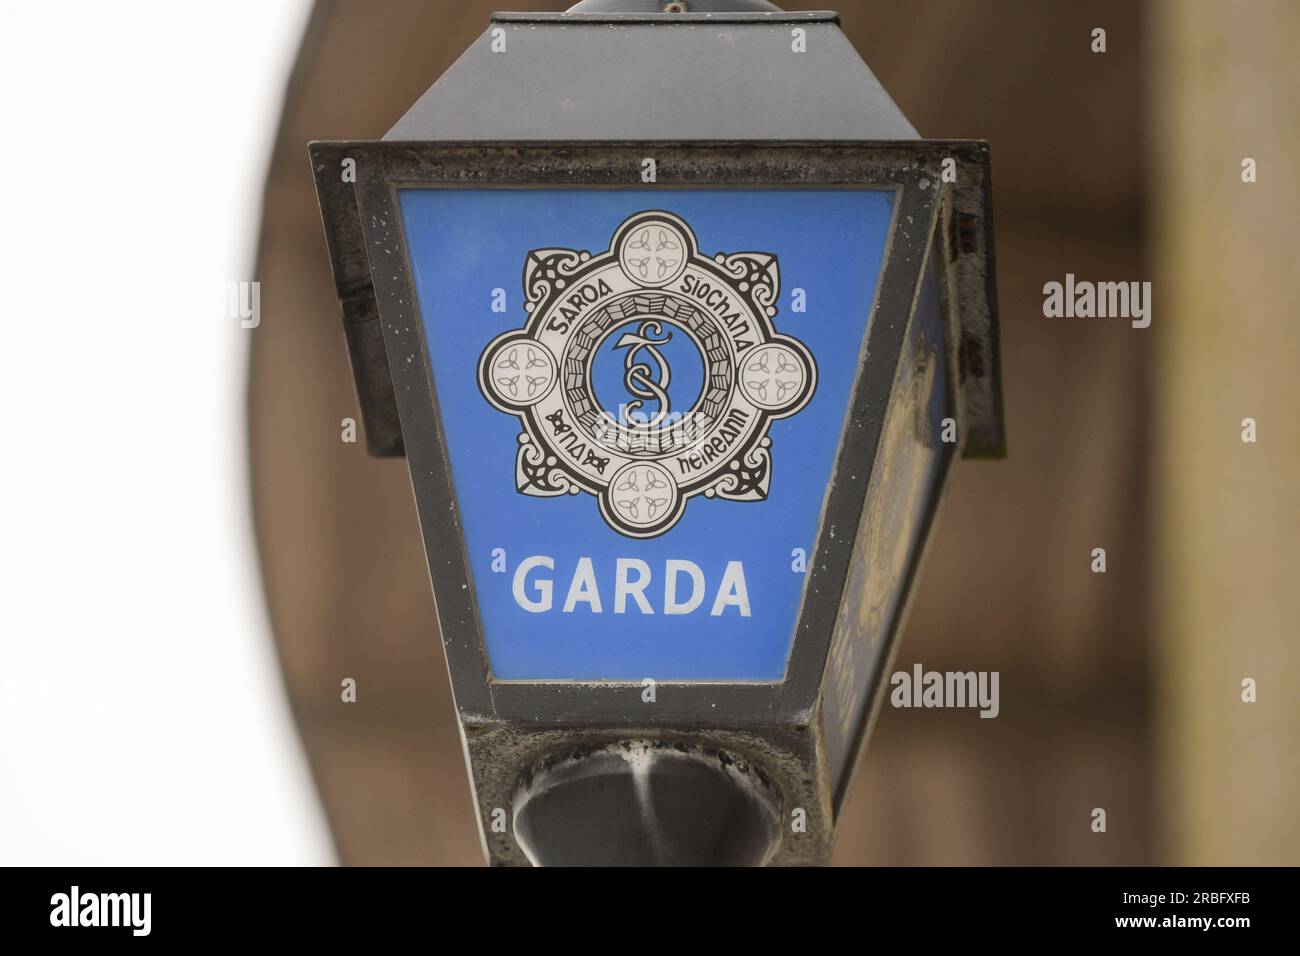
(647, 374)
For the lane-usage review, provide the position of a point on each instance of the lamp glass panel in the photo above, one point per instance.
(642, 394)
(906, 477)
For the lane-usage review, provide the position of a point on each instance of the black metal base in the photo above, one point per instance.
(647, 804)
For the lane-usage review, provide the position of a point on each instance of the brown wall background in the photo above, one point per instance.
(1007, 587)
(1224, 86)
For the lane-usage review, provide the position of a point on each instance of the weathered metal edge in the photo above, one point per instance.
(941, 252)
(352, 282)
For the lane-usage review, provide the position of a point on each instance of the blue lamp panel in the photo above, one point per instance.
(641, 434)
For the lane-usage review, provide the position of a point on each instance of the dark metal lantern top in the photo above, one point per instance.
(668, 6)
(629, 76)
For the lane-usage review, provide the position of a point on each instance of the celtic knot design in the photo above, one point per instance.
(535, 371)
(642, 492)
(651, 287)
(756, 276)
(549, 271)
(653, 253)
(642, 380)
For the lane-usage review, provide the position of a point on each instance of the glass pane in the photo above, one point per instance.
(642, 434)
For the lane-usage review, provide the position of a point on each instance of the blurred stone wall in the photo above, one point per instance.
(1224, 88)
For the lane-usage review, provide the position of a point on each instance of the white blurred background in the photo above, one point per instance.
(142, 719)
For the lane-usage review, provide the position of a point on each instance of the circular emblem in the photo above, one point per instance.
(653, 252)
(772, 373)
(521, 372)
(647, 374)
(642, 495)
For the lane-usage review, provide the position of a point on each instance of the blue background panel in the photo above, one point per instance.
(463, 244)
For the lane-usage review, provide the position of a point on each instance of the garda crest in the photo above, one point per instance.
(647, 374)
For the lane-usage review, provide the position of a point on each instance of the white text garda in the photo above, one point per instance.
(682, 590)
